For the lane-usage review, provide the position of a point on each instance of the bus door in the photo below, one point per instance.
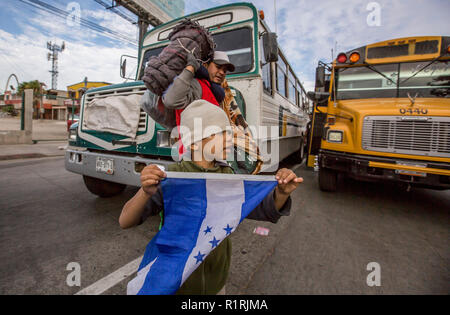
(319, 117)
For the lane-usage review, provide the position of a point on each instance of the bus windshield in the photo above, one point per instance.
(420, 79)
(238, 44)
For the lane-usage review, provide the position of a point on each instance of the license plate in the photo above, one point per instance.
(105, 166)
(411, 173)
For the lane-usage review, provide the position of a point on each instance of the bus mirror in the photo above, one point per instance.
(124, 59)
(319, 97)
(320, 77)
(123, 69)
(270, 46)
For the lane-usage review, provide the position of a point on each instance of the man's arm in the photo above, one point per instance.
(184, 88)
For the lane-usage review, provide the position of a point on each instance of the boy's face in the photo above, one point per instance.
(215, 147)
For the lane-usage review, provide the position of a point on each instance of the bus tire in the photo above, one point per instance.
(327, 179)
(103, 188)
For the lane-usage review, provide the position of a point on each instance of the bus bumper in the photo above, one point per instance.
(125, 170)
(419, 173)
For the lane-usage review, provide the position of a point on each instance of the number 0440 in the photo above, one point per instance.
(419, 111)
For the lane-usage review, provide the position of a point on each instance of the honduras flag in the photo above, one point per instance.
(200, 210)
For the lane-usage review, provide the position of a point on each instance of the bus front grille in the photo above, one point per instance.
(412, 135)
(122, 92)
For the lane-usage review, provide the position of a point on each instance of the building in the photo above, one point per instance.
(77, 90)
(54, 105)
(11, 99)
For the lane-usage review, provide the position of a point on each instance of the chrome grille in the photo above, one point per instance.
(415, 135)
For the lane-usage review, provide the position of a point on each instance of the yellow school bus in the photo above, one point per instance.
(383, 113)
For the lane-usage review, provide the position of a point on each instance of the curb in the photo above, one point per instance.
(27, 156)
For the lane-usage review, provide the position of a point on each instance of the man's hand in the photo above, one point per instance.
(192, 63)
(151, 175)
(287, 183)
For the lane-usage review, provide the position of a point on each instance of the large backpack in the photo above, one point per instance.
(186, 37)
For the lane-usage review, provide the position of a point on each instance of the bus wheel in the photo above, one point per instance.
(103, 188)
(327, 179)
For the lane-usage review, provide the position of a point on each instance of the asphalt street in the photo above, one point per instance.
(48, 220)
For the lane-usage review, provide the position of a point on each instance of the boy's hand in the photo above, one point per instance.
(151, 175)
(287, 181)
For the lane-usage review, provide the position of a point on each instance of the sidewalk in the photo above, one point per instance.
(42, 129)
(50, 137)
(38, 150)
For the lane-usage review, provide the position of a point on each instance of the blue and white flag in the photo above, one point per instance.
(200, 211)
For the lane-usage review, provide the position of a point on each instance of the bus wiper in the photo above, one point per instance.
(380, 73)
(426, 66)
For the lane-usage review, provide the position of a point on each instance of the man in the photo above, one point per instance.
(196, 82)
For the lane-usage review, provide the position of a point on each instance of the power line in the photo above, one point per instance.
(116, 11)
(86, 23)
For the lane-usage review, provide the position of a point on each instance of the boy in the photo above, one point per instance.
(207, 146)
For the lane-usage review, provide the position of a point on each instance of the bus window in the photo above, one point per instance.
(266, 71)
(291, 87)
(425, 78)
(281, 77)
(376, 81)
(238, 46)
(299, 98)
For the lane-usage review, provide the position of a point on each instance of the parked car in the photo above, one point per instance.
(71, 120)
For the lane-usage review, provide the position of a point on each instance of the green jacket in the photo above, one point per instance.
(210, 277)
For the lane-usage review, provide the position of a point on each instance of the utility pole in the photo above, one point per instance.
(53, 56)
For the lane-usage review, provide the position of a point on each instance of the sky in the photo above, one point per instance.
(307, 30)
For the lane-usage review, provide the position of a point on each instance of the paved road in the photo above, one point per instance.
(48, 219)
(334, 236)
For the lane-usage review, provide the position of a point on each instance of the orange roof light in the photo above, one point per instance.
(261, 14)
(354, 57)
(448, 49)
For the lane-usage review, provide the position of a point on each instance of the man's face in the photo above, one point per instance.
(217, 72)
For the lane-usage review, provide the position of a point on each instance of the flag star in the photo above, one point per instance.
(228, 229)
(199, 257)
(208, 230)
(214, 242)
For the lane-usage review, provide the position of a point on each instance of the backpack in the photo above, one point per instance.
(152, 104)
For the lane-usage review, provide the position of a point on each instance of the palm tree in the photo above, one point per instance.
(36, 86)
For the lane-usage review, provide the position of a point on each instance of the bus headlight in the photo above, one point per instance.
(73, 134)
(163, 139)
(335, 136)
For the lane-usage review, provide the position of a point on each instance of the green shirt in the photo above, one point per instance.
(210, 277)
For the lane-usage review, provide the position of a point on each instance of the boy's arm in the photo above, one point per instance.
(147, 201)
(132, 211)
(278, 202)
(267, 210)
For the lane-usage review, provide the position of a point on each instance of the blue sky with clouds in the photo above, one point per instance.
(307, 30)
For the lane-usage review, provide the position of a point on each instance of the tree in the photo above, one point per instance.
(36, 86)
